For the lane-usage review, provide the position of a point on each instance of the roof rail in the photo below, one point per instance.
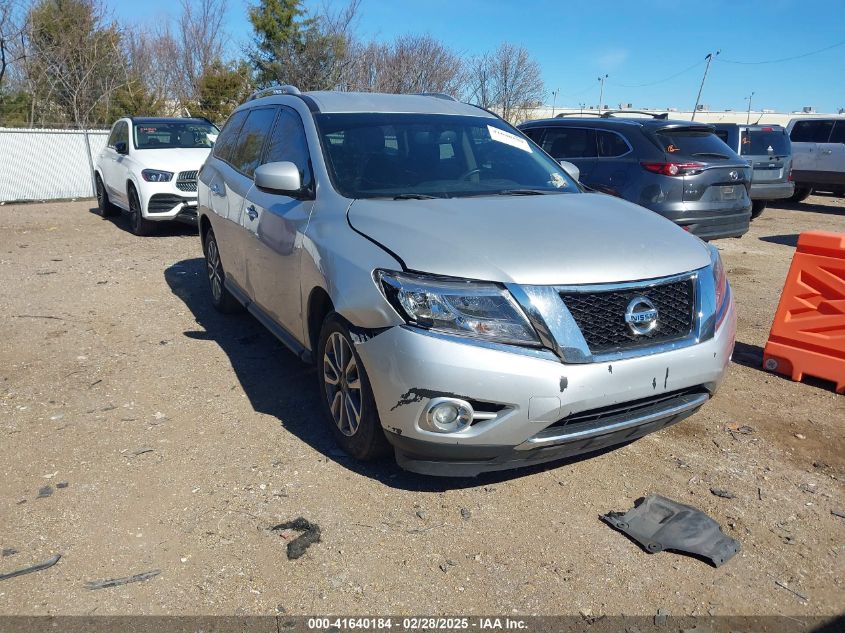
(565, 114)
(436, 95)
(653, 115)
(274, 89)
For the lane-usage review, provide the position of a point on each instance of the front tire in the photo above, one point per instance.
(757, 207)
(107, 209)
(801, 194)
(346, 395)
(221, 298)
(139, 224)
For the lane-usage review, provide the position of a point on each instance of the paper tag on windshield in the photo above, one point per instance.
(508, 139)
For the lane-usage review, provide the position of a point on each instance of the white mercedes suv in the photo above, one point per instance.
(149, 168)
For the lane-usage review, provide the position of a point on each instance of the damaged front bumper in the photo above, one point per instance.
(529, 407)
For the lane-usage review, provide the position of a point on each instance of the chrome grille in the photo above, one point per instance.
(187, 181)
(600, 315)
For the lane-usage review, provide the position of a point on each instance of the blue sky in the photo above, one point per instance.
(635, 43)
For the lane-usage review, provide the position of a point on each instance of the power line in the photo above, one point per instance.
(659, 81)
(783, 59)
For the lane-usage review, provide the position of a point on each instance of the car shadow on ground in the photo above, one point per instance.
(277, 383)
(784, 240)
(748, 355)
(163, 229)
(809, 207)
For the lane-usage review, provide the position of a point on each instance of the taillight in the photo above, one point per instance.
(673, 169)
(789, 178)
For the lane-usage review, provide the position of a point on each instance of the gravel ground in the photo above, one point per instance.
(171, 438)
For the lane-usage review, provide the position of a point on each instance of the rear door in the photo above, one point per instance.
(717, 178)
(275, 224)
(574, 144)
(832, 155)
(807, 136)
(769, 151)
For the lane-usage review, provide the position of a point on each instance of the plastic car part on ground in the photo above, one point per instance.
(658, 524)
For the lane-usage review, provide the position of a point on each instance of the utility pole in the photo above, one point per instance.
(582, 106)
(601, 92)
(554, 98)
(709, 59)
(748, 118)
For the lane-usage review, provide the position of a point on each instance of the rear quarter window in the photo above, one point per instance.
(811, 131)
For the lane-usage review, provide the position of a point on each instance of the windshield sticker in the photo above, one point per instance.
(508, 139)
(557, 181)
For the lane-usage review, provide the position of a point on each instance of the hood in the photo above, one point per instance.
(533, 240)
(172, 159)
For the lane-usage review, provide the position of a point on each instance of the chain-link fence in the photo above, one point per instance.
(38, 164)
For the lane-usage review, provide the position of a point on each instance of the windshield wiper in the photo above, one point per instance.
(521, 192)
(414, 196)
(716, 154)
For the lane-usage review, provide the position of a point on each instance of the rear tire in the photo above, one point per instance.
(346, 395)
(139, 224)
(107, 209)
(757, 207)
(223, 300)
(801, 194)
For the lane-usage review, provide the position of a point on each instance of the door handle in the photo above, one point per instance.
(252, 212)
(215, 189)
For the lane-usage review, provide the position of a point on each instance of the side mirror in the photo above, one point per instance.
(121, 148)
(571, 169)
(282, 177)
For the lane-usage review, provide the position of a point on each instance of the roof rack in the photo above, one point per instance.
(563, 114)
(436, 95)
(661, 115)
(274, 89)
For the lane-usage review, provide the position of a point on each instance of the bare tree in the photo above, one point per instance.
(198, 44)
(74, 56)
(508, 81)
(12, 26)
(411, 63)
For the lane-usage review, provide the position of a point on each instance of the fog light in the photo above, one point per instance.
(448, 415)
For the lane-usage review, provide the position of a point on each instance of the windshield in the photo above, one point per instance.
(172, 134)
(758, 142)
(697, 142)
(434, 155)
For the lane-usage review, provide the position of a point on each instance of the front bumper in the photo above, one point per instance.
(529, 393)
(171, 206)
(772, 191)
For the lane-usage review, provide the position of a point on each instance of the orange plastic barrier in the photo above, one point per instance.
(808, 333)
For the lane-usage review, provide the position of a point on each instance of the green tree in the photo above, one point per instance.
(221, 89)
(290, 46)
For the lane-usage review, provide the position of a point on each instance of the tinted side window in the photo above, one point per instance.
(838, 135)
(120, 134)
(247, 154)
(811, 131)
(288, 143)
(570, 142)
(228, 136)
(611, 144)
(534, 134)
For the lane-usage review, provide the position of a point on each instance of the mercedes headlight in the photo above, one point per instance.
(476, 309)
(156, 175)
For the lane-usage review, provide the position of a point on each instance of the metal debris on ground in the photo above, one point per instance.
(8, 551)
(310, 534)
(45, 492)
(721, 492)
(658, 523)
(28, 570)
(837, 513)
(116, 582)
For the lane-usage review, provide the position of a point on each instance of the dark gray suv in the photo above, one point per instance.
(678, 169)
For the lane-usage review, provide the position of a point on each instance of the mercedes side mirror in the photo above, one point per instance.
(121, 148)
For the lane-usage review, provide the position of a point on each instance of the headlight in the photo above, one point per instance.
(720, 281)
(467, 308)
(156, 175)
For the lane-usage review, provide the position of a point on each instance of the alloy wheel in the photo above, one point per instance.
(215, 270)
(342, 383)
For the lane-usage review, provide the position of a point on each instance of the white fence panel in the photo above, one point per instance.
(46, 164)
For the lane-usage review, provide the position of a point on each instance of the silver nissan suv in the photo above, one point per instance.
(466, 303)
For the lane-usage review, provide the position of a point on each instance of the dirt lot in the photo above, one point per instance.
(183, 435)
